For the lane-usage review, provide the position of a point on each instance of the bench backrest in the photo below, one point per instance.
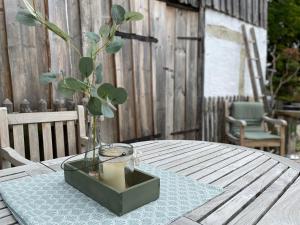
(43, 135)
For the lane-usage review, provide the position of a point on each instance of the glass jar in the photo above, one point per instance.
(115, 161)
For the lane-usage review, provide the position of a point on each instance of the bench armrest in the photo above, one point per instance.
(14, 157)
(278, 122)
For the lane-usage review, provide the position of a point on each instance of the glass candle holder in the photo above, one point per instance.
(115, 161)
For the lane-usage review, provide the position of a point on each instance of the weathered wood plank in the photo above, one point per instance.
(13, 176)
(191, 75)
(228, 169)
(259, 207)
(47, 141)
(59, 51)
(223, 214)
(238, 185)
(180, 69)
(5, 78)
(4, 213)
(123, 63)
(8, 220)
(184, 221)
(71, 134)
(228, 179)
(34, 148)
(219, 165)
(285, 211)
(157, 29)
(4, 135)
(255, 12)
(169, 70)
(42, 117)
(59, 138)
(23, 56)
(142, 71)
(18, 137)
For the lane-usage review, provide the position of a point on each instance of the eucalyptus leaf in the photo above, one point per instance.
(104, 31)
(118, 14)
(92, 48)
(93, 36)
(115, 46)
(99, 73)
(107, 111)
(86, 66)
(64, 89)
(133, 16)
(26, 18)
(76, 85)
(55, 29)
(118, 96)
(47, 78)
(94, 106)
(105, 90)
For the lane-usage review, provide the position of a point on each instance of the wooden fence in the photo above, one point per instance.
(213, 117)
(161, 71)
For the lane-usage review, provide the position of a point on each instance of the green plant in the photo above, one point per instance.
(102, 97)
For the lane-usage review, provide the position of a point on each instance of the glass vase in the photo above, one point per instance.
(91, 156)
(116, 160)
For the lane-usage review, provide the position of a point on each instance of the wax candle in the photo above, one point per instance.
(114, 175)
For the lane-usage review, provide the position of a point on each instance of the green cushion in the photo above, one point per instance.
(257, 135)
(251, 112)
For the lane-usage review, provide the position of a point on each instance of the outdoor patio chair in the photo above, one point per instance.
(247, 125)
(27, 137)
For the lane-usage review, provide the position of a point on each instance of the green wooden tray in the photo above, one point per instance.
(143, 188)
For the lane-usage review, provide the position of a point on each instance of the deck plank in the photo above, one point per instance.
(4, 212)
(224, 214)
(8, 220)
(259, 207)
(286, 209)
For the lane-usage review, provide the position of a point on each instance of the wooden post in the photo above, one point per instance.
(25, 106)
(70, 104)
(4, 136)
(58, 104)
(42, 107)
(8, 104)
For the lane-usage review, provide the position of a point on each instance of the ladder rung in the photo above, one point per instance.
(255, 59)
(257, 77)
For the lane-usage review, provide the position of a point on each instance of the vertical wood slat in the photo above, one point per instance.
(142, 71)
(4, 136)
(170, 69)
(123, 62)
(59, 137)
(5, 79)
(157, 29)
(236, 8)
(71, 134)
(191, 75)
(18, 137)
(255, 12)
(34, 148)
(229, 6)
(243, 13)
(180, 71)
(47, 141)
(249, 10)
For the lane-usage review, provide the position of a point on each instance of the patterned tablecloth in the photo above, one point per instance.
(49, 200)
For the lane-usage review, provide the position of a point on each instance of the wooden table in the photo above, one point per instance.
(260, 188)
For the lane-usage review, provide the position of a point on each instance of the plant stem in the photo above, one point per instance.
(94, 143)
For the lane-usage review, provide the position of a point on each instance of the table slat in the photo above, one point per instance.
(286, 209)
(224, 214)
(265, 201)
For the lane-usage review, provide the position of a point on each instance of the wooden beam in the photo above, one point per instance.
(136, 37)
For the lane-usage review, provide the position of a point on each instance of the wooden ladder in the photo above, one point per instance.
(256, 58)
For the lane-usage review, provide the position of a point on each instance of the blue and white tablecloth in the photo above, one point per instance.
(49, 200)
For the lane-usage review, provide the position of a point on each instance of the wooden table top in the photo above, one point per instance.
(260, 188)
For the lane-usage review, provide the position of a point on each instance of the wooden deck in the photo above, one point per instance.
(260, 188)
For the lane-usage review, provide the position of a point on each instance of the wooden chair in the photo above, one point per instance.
(45, 132)
(246, 126)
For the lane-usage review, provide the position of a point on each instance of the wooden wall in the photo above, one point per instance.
(162, 78)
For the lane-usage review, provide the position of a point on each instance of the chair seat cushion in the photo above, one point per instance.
(257, 135)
